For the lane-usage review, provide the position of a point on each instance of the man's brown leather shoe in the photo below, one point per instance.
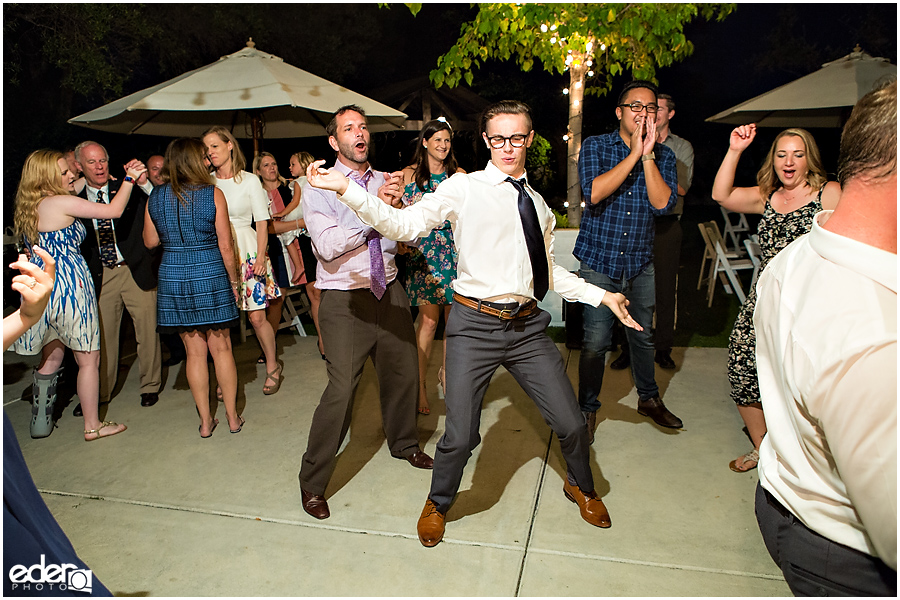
(592, 508)
(431, 525)
(420, 460)
(656, 410)
(314, 505)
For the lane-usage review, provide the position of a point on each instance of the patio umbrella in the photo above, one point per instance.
(820, 99)
(252, 93)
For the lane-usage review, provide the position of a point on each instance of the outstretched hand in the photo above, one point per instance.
(34, 284)
(326, 179)
(742, 137)
(617, 303)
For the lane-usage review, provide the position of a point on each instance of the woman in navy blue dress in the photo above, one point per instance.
(198, 279)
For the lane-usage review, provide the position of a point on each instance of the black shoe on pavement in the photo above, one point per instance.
(664, 359)
(656, 410)
(621, 363)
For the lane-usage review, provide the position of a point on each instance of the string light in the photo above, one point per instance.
(553, 28)
(566, 204)
(582, 205)
(590, 73)
(575, 103)
(589, 46)
(577, 84)
(602, 47)
(565, 91)
(543, 28)
(566, 138)
(553, 40)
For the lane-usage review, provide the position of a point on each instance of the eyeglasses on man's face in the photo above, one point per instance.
(516, 140)
(638, 107)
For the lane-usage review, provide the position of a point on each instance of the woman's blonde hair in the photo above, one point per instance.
(184, 167)
(238, 162)
(258, 161)
(304, 159)
(40, 179)
(768, 180)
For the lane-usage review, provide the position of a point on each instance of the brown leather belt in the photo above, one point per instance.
(504, 312)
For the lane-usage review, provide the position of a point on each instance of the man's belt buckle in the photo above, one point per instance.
(510, 314)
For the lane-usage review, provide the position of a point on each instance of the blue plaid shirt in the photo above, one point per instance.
(616, 236)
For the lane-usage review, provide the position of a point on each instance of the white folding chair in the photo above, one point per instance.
(733, 230)
(755, 254)
(290, 316)
(725, 265)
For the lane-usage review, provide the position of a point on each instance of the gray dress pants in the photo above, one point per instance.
(812, 564)
(355, 326)
(477, 344)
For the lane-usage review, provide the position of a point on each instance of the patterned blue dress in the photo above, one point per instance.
(194, 290)
(71, 316)
(430, 268)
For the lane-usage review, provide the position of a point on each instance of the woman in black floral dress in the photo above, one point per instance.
(792, 187)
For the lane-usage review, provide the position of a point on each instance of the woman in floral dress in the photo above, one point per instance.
(792, 187)
(431, 267)
(248, 203)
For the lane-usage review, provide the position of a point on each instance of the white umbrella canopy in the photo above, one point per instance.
(252, 93)
(819, 99)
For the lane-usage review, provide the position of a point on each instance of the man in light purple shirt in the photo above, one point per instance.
(364, 312)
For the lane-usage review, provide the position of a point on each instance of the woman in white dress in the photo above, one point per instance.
(248, 203)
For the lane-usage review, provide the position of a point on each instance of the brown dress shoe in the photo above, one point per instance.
(431, 525)
(314, 505)
(592, 508)
(420, 460)
(591, 418)
(656, 410)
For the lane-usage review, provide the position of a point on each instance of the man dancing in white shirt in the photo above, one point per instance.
(503, 231)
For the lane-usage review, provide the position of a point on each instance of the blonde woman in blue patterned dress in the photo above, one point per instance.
(792, 186)
(47, 214)
(248, 203)
(431, 265)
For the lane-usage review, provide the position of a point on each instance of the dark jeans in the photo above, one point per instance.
(598, 327)
(666, 257)
(812, 564)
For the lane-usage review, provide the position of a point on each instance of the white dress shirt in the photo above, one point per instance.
(826, 351)
(483, 211)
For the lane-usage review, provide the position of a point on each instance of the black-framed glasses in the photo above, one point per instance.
(516, 140)
(637, 107)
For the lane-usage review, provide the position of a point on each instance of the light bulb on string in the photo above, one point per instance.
(543, 28)
(566, 91)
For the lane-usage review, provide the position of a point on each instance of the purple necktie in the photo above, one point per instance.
(377, 278)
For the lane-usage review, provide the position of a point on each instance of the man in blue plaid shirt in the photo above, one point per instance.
(626, 180)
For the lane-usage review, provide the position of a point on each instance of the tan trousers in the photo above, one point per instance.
(120, 292)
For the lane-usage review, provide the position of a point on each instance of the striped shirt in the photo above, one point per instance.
(616, 236)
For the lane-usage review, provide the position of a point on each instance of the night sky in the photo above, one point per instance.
(757, 48)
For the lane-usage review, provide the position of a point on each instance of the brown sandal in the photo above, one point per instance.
(750, 457)
(97, 431)
(268, 390)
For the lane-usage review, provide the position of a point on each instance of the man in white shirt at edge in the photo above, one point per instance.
(494, 320)
(826, 328)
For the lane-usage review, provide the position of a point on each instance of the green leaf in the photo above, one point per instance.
(469, 77)
(414, 8)
(611, 16)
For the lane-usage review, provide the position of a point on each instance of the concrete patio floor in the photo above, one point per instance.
(159, 511)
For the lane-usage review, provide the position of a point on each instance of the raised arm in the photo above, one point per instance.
(395, 224)
(742, 199)
(603, 185)
(35, 285)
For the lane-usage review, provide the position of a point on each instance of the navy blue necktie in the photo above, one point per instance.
(534, 239)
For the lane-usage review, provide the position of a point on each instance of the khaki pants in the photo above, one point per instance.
(120, 292)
